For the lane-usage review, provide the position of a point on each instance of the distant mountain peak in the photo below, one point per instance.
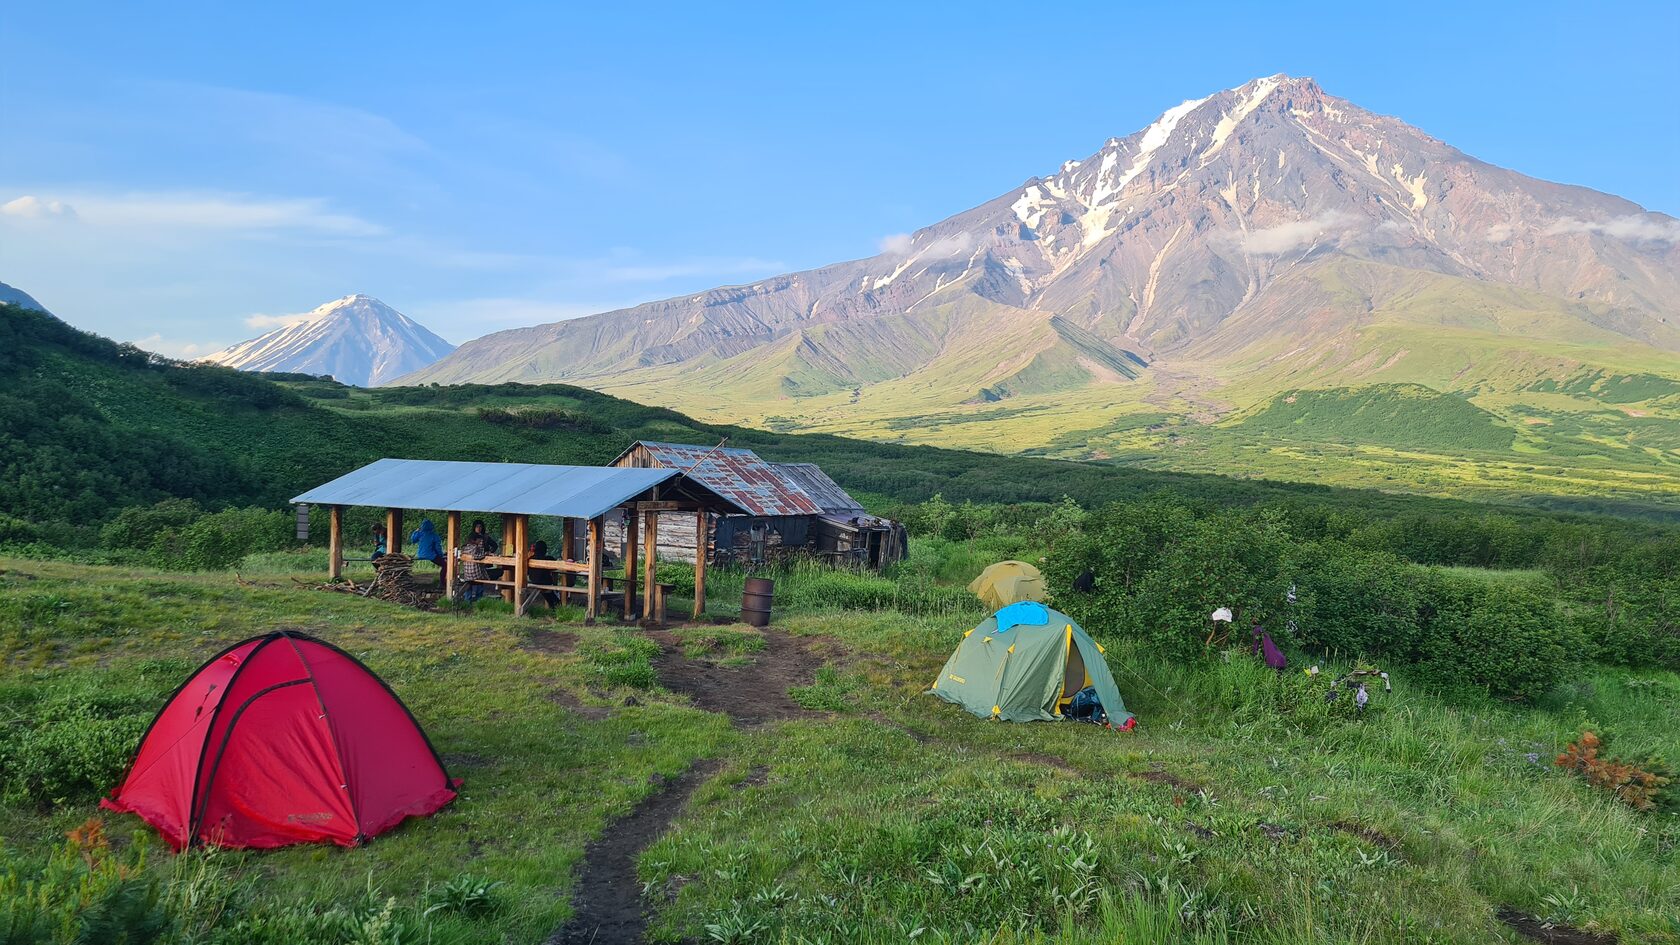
(357, 339)
(21, 298)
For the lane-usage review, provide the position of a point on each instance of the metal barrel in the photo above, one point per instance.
(756, 598)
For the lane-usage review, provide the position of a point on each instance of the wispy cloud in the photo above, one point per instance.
(1295, 234)
(267, 322)
(1635, 227)
(944, 247)
(31, 207)
(171, 347)
(1500, 232)
(192, 211)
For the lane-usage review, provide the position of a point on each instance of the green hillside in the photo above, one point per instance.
(1405, 416)
(89, 427)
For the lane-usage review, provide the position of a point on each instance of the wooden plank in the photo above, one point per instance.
(568, 543)
(509, 536)
(335, 542)
(630, 556)
(593, 604)
(650, 540)
(452, 535)
(521, 554)
(393, 531)
(700, 564)
(659, 506)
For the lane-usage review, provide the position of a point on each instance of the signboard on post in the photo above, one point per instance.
(303, 521)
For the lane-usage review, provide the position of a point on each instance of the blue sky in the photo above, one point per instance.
(186, 177)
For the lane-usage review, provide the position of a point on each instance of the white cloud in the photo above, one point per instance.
(898, 244)
(196, 211)
(1635, 227)
(32, 207)
(1500, 232)
(1295, 234)
(903, 244)
(266, 322)
(171, 348)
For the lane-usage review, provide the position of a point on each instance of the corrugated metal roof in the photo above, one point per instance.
(516, 488)
(736, 473)
(815, 483)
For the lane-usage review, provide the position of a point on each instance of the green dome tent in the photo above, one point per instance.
(1024, 664)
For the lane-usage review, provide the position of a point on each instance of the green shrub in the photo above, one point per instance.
(177, 534)
(1508, 640)
(1357, 602)
(73, 739)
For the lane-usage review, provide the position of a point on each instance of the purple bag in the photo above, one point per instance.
(1263, 645)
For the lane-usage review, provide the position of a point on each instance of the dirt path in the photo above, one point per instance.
(607, 898)
(751, 694)
(1531, 928)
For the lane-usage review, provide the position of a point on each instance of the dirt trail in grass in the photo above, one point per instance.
(1531, 928)
(607, 899)
(750, 694)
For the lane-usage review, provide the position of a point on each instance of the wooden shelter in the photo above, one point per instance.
(581, 496)
(788, 507)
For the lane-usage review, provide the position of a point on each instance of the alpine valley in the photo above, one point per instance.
(1269, 281)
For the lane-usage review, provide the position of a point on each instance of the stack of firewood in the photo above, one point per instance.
(394, 581)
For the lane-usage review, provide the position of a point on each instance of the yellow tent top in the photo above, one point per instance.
(1008, 582)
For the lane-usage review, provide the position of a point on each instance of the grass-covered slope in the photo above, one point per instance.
(88, 427)
(1404, 416)
(1245, 809)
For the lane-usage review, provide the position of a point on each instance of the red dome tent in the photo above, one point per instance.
(277, 740)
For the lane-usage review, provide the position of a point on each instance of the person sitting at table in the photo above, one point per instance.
(539, 552)
(491, 546)
(379, 544)
(427, 545)
(472, 569)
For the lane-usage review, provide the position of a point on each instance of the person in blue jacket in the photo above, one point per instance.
(427, 545)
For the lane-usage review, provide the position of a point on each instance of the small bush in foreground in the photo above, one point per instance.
(1641, 788)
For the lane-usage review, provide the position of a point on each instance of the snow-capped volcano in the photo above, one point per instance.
(1265, 236)
(358, 340)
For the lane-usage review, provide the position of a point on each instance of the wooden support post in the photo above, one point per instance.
(452, 538)
(521, 555)
(510, 546)
(393, 531)
(700, 550)
(630, 525)
(593, 606)
(568, 545)
(650, 538)
(335, 542)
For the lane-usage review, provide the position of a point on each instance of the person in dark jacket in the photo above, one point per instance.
(487, 546)
(427, 545)
(379, 542)
(491, 545)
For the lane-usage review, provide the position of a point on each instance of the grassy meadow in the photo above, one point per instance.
(1244, 809)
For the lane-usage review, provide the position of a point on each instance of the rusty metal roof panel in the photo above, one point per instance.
(738, 474)
(515, 488)
(815, 483)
